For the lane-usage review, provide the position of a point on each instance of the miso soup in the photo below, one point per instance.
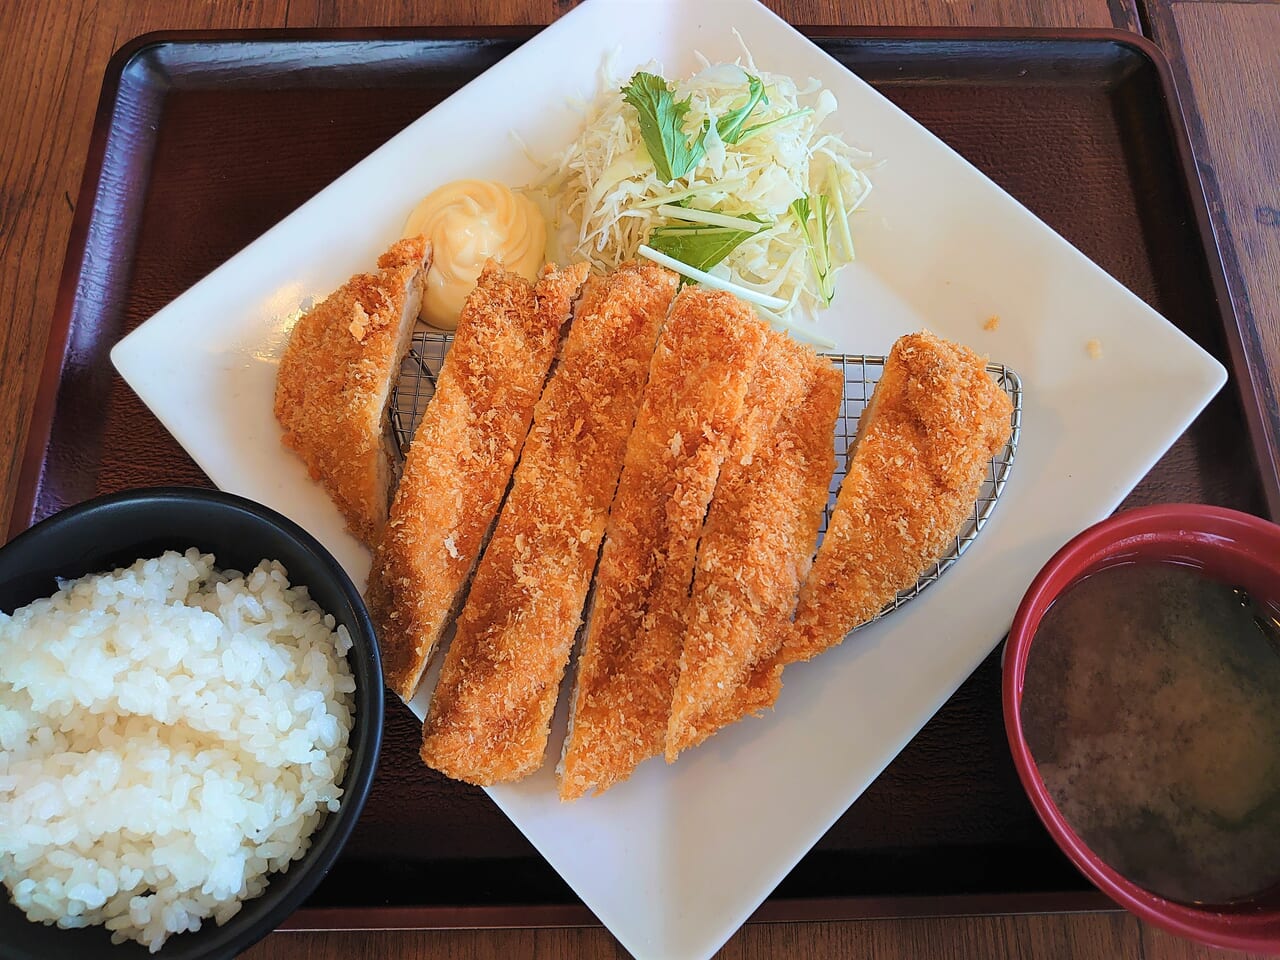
(1151, 705)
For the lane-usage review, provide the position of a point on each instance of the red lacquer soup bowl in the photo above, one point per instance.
(1234, 547)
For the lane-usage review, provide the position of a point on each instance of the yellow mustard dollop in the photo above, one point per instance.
(467, 222)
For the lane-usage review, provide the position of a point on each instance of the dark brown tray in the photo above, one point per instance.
(203, 141)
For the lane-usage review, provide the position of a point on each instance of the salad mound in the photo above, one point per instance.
(727, 177)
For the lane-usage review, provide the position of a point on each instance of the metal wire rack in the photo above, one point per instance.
(417, 383)
(861, 374)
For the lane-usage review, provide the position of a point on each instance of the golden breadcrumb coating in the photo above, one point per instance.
(923, 448)
(460, 460)
(758, 543)
(491, 711)
(627, 671)
(334, 384)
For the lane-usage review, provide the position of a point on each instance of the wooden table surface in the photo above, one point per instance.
(1228, 71)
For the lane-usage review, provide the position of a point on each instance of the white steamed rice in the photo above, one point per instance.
(169, 736)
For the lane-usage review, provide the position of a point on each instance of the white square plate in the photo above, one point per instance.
(674, 860)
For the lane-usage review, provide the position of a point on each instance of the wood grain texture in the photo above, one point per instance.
(1228, 72)
(1093, 936)
(1158, 945)
(961, 13)
(1102, 936)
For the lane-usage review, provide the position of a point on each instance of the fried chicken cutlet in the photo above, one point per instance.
(334, 384)
(698, 379)
(461, 458)
(924, 443)
(758, 543)
(491, 711)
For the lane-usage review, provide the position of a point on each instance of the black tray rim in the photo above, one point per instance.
(774, 910)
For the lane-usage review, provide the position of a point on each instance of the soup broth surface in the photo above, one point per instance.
(1151, 705)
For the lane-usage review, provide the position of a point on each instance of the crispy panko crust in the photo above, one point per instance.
(758, 543)
(627, 670)
(923, 448)
(460, 460)
(491, 711)
(334, 383)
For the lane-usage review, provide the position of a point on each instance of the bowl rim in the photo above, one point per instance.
(1240, 928)
(358, 778)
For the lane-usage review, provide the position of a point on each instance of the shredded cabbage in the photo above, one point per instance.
(602, 194)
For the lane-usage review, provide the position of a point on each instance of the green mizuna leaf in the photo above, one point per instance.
(816, 239)
(699, 245)
(730, 126)
(750, 132)
(661, 119)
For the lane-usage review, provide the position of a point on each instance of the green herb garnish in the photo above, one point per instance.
(730, 126)
(750, 132)
(661, 119)
(817, 241)
(699, 245)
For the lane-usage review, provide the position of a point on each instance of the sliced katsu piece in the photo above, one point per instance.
(758, 543)
(706, 355)
(461, 458)
(334, 384)
(924, 444)
(491, 710)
